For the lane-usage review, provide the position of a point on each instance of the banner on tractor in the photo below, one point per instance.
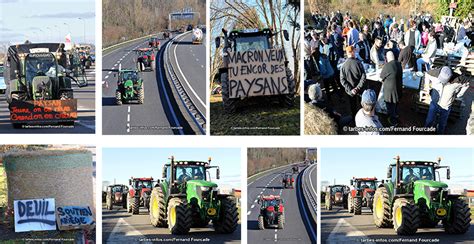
(34, 215)
(74, 217)
(257, 73)
(43, 111)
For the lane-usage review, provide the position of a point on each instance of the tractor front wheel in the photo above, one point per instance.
(406, 217)
(350, 204)
(129, 204)
(261, 223)
(227, 222)
(281, 221)
(382, 212)
(357, 206)
(460, 218)
(109, 203)
(157, 208)
(179, 216)
(118, 98)
(136, 206)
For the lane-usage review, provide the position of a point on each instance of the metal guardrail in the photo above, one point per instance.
(196, 115)
(309, 194)
(306, 205)
(125, 42)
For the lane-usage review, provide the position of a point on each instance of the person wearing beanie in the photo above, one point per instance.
(392, 79)
(353, 79)
(366, 117)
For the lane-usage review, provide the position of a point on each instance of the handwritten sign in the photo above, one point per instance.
(43, 111)
(74, 217)
(34, 215)
(257, 73)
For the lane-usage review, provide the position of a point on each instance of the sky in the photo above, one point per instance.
(341, 164)
(46, 20)
(122, 163)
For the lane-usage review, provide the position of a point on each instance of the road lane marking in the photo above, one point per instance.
(106, 77)
(256, 200)
(124, 232)
(248, 213)
(253, 206)
(110, 72)
(202, 66)
(345, 233)
(128, 109)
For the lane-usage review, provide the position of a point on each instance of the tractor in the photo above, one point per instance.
(197, 36)
(295, 169)
(130, 86)
(288, 180)
(85, 59)
(38, 88)
(186, 197)
(241, 41)
(153, 42)
(145, 59)
(414, 197)
(116, 195)
(139, 194)
(336, 195)
(272, 212)
(361, 194)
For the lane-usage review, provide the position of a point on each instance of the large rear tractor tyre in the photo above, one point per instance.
(230, 104)
(179, 216)
(135, 205)
(157, 208)
(227, 222)
(124, 201)
(261, 223)
(141, 95)
(329, 205)
(350, 204)
(382, 212)
(129, 204)
(88, 64)
(118, 98)
(281, 221)
(357, 206)
(406, 217)
(109, 203)
(460, 218)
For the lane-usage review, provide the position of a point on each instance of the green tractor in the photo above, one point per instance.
(414, 197)
(129, 86)
(187, 198)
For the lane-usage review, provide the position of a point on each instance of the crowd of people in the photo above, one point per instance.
(341, 48)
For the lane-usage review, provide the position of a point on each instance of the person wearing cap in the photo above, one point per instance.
(365, 117)
(392, 79)
(353, 79)
(446, 87)
(376, 53)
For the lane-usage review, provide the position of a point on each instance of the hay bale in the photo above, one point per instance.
(65, 175)
(318, 122)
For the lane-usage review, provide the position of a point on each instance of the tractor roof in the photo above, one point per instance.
(251, 32)
(143, 178)
(28, 48)
(337, 186)
(145, 49)
(365, 179)
(271, 197)
(187, 162)
(116, 185)
(417, 163)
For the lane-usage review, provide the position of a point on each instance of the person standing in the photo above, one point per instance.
(392, 79)
(362, 49)
(352, 35)
(376, 53)
(353, 79)
(413, 37)
(406, 57)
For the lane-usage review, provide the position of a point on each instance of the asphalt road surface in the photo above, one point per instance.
(338, 226)
(161, 113)
(296, 229)
(85, 105)
(118, 226)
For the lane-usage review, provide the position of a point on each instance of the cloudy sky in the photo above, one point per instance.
(46, 20)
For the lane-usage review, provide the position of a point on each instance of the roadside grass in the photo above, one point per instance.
(3, 187)
(255, 119)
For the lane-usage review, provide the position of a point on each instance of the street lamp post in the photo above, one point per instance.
(83, 20)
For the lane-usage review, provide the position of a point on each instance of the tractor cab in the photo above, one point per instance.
(364, 183)
(272, 212)
(128, 75)
(146, 53)
(271, 201)
(249, 39)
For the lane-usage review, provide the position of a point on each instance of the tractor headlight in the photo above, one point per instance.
(205, 188)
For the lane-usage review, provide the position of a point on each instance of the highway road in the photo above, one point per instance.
(338, 226)
(299, 227)
(118, 226)
(86, 112)
(164, 111)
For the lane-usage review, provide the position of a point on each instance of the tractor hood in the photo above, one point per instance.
(201, 183)
(430, 183)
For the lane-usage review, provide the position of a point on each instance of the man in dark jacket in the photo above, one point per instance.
(392, 78)
(406, 56)
(353, 79)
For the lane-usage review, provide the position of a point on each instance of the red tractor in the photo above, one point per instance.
(145, 59)
(361, 194)
(139, 194)
(272, 212)
(153, 42)
(288, 181)
(116, 195)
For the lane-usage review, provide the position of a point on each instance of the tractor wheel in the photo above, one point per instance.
(350, 204)
(136, 206)
(179, 216)
(141, 95)
(460, 218)
(357, 206)
(288, 100)
(152, 65)
(329, 206)
(157, 208)
(281, 221)
(124, 202)
(88, 64)
(109, 203)
(129, 204)
(227, 222)
(261, 223)
(382, 212)
(118, 98)
(230, 104)
(406, 217)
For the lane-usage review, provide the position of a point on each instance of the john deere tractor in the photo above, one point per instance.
(139, 194)
(39, 88)
(414, 197)
(187, 197)
(241, 41)
(129, 86)
(361, 194)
